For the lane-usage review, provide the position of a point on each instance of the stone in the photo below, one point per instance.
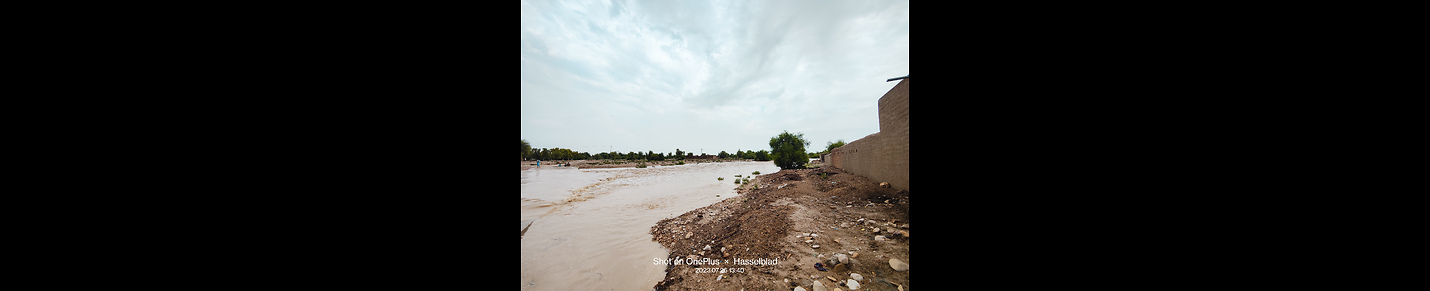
(720, 277)
(707, 247)
(816, 246)
(819, 286)
(799, 289)
(898, 265)
(814, 235)
(876, 230)
(808, 241)
(853, 254)
(879, 238)
(687, 235)
(856, 277)
(843, 259)
(853, 285)
(884, 184)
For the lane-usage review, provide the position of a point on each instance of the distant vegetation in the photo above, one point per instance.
(530, 153)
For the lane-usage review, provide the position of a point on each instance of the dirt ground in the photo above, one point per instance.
(771, 222)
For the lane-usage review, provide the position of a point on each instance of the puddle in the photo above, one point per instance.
(588, 229)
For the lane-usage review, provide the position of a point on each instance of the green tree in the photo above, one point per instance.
(831, 146)
(788, 150)
(679, 154)
(723, 155)
(761, 155)
(525, 149)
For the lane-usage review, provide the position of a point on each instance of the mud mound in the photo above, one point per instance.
(790, 213)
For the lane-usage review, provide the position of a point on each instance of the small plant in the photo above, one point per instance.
(721, 178)
(756, 173)
(640, 165)
(679, 163)
(824, 176)
(737, 176)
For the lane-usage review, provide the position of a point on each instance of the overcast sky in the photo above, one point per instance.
(718, 75)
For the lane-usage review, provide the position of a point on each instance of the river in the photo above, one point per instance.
(589, 229)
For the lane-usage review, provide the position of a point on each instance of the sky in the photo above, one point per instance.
(638, 76)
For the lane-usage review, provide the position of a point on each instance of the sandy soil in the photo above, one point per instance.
(771, 222)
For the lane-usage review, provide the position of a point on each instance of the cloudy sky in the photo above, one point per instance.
(719, 75)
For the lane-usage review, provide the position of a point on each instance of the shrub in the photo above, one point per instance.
(721, 178)
(788, 150)
(756, 173)
(640, 165)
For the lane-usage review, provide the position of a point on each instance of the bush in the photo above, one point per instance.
(721, 178)
(788, 150)
(640, 165)
(756, 173)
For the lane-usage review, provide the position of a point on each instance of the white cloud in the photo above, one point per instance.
(657, 75)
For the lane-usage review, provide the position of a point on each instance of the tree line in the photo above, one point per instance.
(790, 150)
(529, 153)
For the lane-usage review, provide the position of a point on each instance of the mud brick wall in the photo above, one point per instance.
(882, 156)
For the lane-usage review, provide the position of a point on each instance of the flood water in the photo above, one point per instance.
(589, 229)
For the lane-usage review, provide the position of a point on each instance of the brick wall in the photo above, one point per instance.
(882, 156)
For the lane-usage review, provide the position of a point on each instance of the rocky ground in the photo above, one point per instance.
(855, 229)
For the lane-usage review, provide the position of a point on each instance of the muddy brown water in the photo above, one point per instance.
(589, 229)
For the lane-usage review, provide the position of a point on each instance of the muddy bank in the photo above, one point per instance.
(783, 221)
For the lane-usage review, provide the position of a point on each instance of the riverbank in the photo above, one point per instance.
(854, 228)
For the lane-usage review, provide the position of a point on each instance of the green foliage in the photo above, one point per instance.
(525, 149)
(830, 146)
(640, 165)
(761, 155)
(756, 173)
(788, 150)
(721, 178)
(723, 155)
